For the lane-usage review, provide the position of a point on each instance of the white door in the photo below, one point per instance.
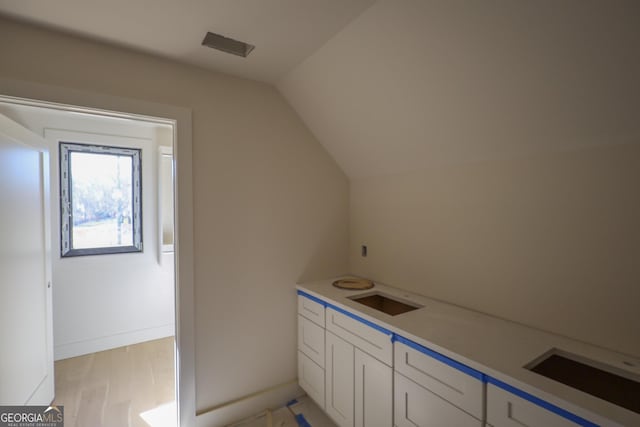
(339, 380)
(26, 334)
(373, 392)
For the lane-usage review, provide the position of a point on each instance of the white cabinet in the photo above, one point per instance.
(505, 409)
(311, 378)
(359, 377)
(339, 375)
(363, 375)
(453, 385)
(311, 309)
(311, 349)
(358, 386)
(373, 396)
(311, 340)
(371, 340)
(416, 406)
(433, 390)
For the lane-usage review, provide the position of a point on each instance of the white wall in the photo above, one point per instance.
(106, 301)
(413, 84)
(493, 153)
(270, 205)
(551, 240)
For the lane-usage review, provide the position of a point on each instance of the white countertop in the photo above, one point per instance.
(496, 347)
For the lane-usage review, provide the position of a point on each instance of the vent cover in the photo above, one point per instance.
(225, 44)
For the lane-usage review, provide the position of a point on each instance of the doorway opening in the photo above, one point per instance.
(114, 313)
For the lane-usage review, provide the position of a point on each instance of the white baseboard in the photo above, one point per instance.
(65, 351)
(238, 409)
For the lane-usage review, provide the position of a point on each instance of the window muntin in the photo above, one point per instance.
(101, 206)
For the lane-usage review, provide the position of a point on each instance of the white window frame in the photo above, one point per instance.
(66, 198)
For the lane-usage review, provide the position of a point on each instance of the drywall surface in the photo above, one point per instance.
(411, 84)
(270, 205)
(551, 240)
(491, 151)
(105, 301)
(284, 32)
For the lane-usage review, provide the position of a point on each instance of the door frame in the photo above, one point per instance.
(60, 98)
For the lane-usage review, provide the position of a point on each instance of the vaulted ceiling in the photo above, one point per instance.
(284, 31)
(412, 84)
(391, 86)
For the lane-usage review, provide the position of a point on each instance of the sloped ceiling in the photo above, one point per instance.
(284, 31)
(411, 83)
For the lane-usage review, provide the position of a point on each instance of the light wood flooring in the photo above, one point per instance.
(113, 388)
(286, 416)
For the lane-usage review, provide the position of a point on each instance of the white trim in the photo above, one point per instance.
(65, 351)
(238, 409)
(163, 249)
(21, 135)
(76, 109)
(62, 98)
(168, 151)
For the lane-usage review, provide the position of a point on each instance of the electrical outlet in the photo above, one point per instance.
(363, 250)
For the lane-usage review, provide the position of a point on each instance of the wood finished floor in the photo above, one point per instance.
(112, 388)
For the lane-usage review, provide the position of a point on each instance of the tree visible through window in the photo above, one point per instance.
(100, 199)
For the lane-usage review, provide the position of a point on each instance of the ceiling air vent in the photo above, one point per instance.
(225, 44)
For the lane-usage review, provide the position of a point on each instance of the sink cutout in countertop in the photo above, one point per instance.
(385, 303)
(614, 385)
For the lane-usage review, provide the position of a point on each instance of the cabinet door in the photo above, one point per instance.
(373, 392)
(416, 406)
(339, 380)
(311, 378)
(462, 390)
(508, 410)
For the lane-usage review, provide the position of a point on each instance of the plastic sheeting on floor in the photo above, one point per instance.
(302, 412)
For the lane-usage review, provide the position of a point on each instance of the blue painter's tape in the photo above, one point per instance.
(302, 421)
(292, 402)
(542, 403)
(442, 358)
(346, 313)
(361, 320)
(454, 364)
(312, 298)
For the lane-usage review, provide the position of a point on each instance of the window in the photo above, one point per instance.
(100, 197)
